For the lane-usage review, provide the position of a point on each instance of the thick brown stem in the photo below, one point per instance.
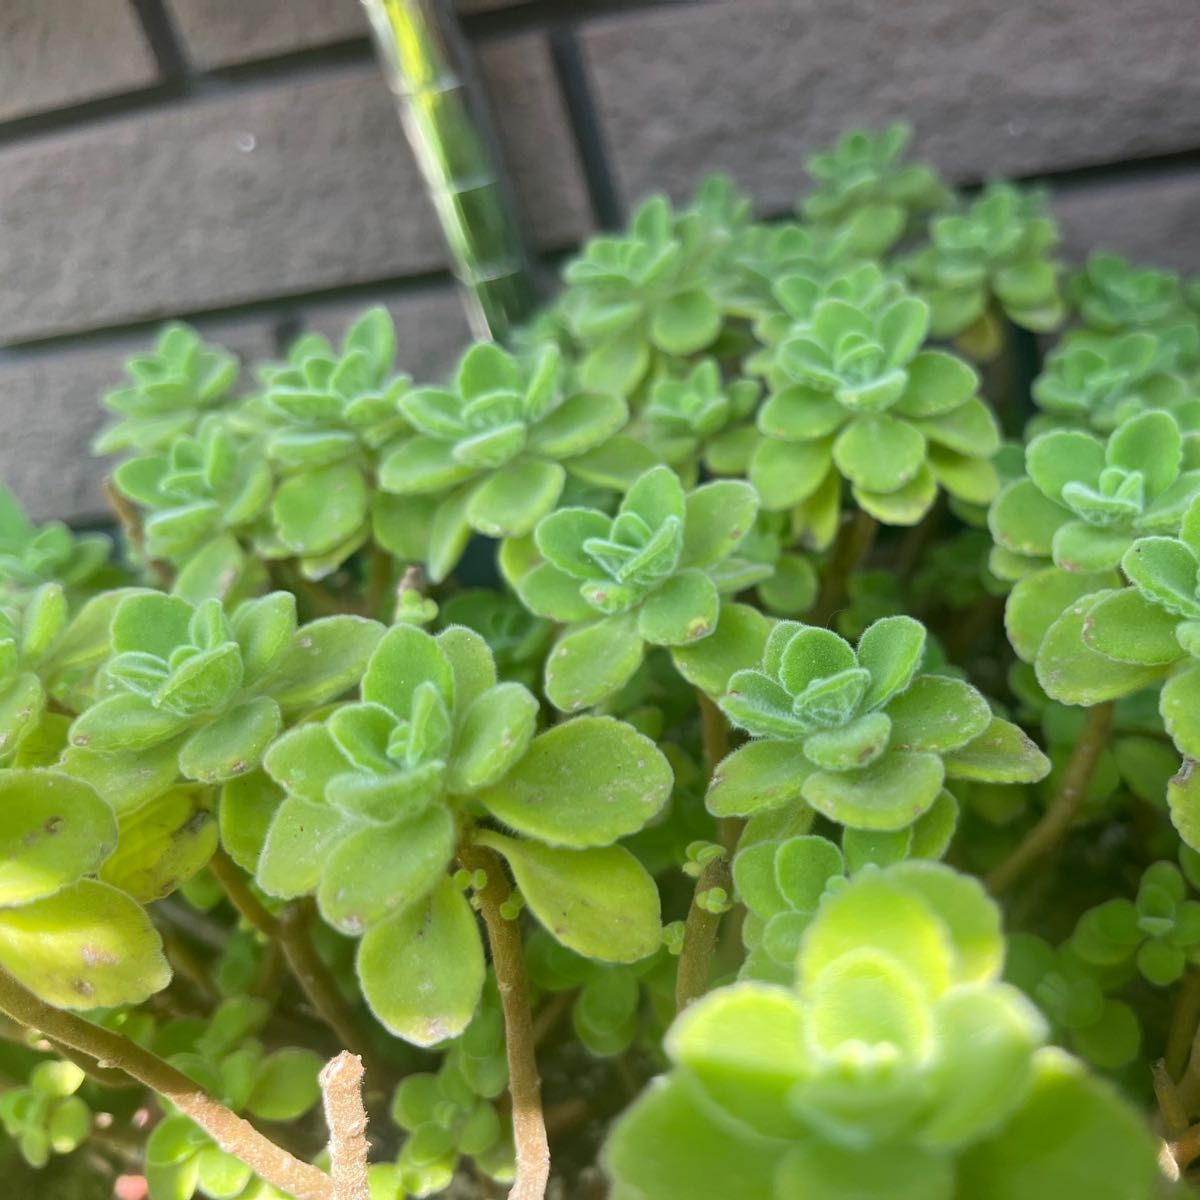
(233, 1134)
(341, 1091)
(700, 934)
(853, 544)
(290, 932)
(524, 1086)
(1056, 820)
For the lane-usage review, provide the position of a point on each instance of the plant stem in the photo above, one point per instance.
(130, 521)
(233, 1134)
(341, 1091)
(713, 730)
(700, 935)
(379, 578)
(1185, 1018)
(524, 1086)
(1170, 1106)
(1056, 820)
(854, 541)
(290, 932)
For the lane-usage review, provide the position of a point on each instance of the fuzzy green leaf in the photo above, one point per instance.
(87, 946)
(599, 902)
(436, 943)
(757, 777)
(586, 782)
(590, 663)
(53, 831)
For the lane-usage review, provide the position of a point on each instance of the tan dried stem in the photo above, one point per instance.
(341, 1092)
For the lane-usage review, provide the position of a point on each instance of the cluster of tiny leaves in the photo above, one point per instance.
(742, 557)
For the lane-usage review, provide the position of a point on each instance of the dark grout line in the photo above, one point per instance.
(281, 309)
(520, 17)
(579, 103)
(165, 43)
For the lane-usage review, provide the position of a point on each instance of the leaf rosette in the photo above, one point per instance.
(859, 734)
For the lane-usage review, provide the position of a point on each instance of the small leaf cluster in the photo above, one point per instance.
(45, 1116)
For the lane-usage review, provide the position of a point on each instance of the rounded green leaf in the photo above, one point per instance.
(87, 946)
(686, 322)
(1183, 800)
(380, 870)
(669, 1146)
(785, 473)
(233, 744)
(590, 663)
(300, 838)
(1179, 705)
(756, 777)
(1071, 1136)
(889, 794)
(494, 733)
(420, 465)
(879, 452)
(323, 659)
(163, 844)
(1002, 753)
(906, 505)
(1038, 600)
(511, 501)
(1165, 570)
(422, 970)
(719, 515)
(125, 721)
(247, 806)
(53, 830)
(684, 609)
(937, 713)
(890, 650)
(315, 511)
(937, 383)
(735, 645)
(586, 782)
(405, 658)
(599, 902)
(548, 592)
(582, 421)
(1063, 456)
(285, 1085)
(1072, 672)
(1130, 628)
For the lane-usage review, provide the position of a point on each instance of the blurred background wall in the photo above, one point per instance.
(238, 163)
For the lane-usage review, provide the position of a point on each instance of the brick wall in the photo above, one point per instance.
(238, 163)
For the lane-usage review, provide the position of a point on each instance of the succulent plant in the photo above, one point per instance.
(866, 192)
(491, 451)
(813, 1090)
(859, 734)
(168, 390)
(866, 403)
(647, 291)
(1113, 296)
(1085, 500)
(653, 574)
(993, 253)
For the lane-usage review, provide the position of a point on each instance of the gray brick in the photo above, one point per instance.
(274, 191)
(220, 32)
(752, 87)
(431, 328)
(50, 411)
(1151, 221)
(52, 55)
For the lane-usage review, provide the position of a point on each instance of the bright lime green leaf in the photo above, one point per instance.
(422, 970)
(377, 871)
(233, 744)
(736, 644)
(324, 659)
(405, 658)
(889, 794)
(53, 830)
(1072, 1135)
(937, 713)
(494, 733)
(599, 902)
(162, 844)
(586, 782)
(285, 1085)
(757, 777)
(87, 946)
(1002, 753)
(298, 843)
(1179, 705)
(511, 501)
